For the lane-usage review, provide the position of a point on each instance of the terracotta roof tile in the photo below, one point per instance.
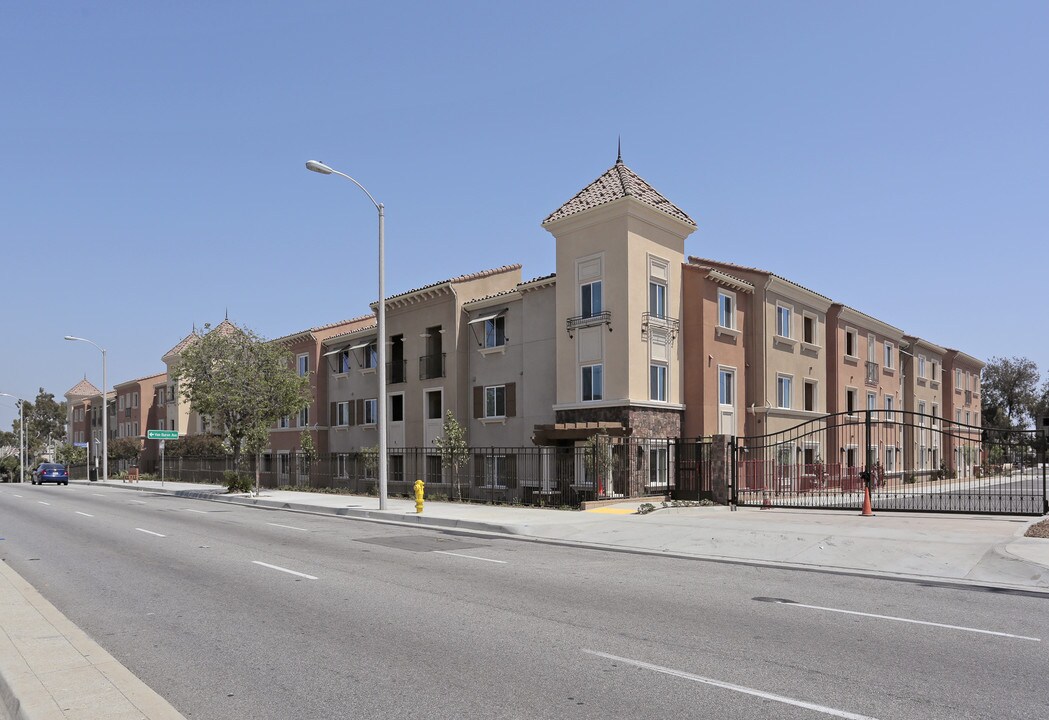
(458, 279)
(84, 388)
(618, 182)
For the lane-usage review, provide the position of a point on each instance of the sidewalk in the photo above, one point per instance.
(978, 549)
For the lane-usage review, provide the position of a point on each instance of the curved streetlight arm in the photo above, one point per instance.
(71, 337)
(319, 167)
(105, 405)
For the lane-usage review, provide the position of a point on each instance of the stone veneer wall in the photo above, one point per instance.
(646, 422)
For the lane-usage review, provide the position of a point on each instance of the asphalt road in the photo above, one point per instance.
(237, 612)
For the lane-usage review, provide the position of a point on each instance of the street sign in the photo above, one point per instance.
(162, 434)
(80, 444)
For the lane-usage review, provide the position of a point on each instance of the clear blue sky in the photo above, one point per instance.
(893, 156)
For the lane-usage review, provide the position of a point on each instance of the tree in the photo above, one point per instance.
(242, 383)
(453, 449)
(70, 455)
(207, 445)
(1009, 397)
(45, 421)
(597, 455)
(124, 448)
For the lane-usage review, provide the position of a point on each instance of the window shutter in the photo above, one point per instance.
(360, 411)
(478, 401)
(510, 397)
(333, 417)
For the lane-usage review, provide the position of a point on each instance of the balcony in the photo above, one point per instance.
(585, 321)
(968, 397)
(431, 366)
(659, 324)
(872, 374)
(396, 371)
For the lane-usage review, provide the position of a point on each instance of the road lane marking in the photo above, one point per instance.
(16, 494)
(45, 503)
(83, 513)
(908, 620)
(150, 532)
(286, 570)
(731, 686)
(471, 557)
(99, 494)
(290, 527)
(202, 512)
(136, 502)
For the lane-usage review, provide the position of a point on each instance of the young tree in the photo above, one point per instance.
(45, 420)
(453, 449)
(70, 455)
(597, 455)
(241, 382)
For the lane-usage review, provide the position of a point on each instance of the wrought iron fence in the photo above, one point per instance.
(910, 461)
(541, 476)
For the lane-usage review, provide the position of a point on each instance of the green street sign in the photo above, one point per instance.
(162, 434)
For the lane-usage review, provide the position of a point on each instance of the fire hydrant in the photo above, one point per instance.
(420, 490)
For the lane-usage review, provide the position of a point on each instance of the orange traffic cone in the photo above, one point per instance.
(766, 503)
(867, 512)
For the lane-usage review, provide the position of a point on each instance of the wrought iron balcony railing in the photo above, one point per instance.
(872, 373)
(585, 321)
(396, 371)
(431, 366)
(653, 322)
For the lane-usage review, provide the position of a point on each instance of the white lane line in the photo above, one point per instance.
(202, 512)
(16, 494)
(915, 622)
(731, 686)
(134, 502)
(471, 557)
(150, 532)
(98, 494)
(41, 501)
(286, 570)
(289, 527)
(83, 513)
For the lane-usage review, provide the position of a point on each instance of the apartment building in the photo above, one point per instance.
(136, 412)
(922, 363)
(715, 319)
(429, 344)
(619, 248)
(77, 417)
(961, 400)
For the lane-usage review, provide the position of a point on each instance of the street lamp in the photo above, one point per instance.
(319, 167)
(105, 408)
(21, 436)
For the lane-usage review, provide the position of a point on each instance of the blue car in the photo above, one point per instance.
(50, 472)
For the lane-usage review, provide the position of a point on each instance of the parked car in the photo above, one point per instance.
(50, 472)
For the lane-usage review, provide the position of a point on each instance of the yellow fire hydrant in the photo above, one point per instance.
(420, 491)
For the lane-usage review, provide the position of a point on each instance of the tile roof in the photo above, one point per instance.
(83, 388)
(183, 343)
(321, 328)
(516, 288)
(457, 279)
(721, 263)
(138, 380)
(618, 182)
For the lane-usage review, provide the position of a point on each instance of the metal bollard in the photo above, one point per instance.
(420, 489)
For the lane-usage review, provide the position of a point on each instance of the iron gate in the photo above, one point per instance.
(693, 476)
(910, 461)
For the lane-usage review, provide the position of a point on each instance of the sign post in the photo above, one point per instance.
(162, 435)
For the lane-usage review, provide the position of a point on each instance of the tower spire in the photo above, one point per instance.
(619, 150)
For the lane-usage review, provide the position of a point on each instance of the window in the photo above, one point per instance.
(890, 355)
(495, 470)
(304, 416)
(592, 383)
(726, 310)
(342, 414)
(921, 413)
(958, 416)
(657, 382)
(303, 364)
(889, 414)
(850, 401)
(872, 402)
(590, 297)
(783, 321)
(342, 362)
(921, 366)
(957, 379)
(371, 411)
(285, 421)
(890, 459)
(784, 391)
(135, 429)
(726, 389)
(852, 342)
(495, 332)
(810, 395)
(935, 414)
(120, 402)
(657, 299)
(397, 408)
(658, 466)
(434, 405)
(809, 330)
(968, 418)
(283, 464)
(932, 375)
(495, 401)
(371, 356)
(134, 400)
(342, 465)
(872, 349)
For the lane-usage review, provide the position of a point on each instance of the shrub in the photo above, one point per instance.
(910, 479)
(237, 482)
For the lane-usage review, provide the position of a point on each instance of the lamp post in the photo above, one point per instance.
(105, 408)
(21, 436)
(319, 167)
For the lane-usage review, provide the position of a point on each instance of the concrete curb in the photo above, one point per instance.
(51, 670)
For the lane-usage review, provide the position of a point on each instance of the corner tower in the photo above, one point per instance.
(620, 248)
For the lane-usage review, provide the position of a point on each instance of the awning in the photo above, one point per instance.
(345, 348)
(547, 434)
(491, 316)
